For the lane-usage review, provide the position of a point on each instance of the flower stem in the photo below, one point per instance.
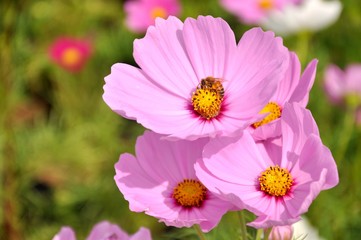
(267, 232)
(199, 232)
(303, 46)
(259, 234)
(243, 225)
(346, 134)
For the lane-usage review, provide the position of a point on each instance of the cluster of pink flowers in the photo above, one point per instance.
(104, 231)
(228, 126)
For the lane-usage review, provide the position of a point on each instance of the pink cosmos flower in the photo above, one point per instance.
(71, 54)
(161, 182)
(254, 11)
(142, 13)
(276, 180)
(340, 84)
(292, 88)
(195, 81)
(104, 231)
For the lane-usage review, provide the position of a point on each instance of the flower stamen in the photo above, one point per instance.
(190, 193)
(275, 181)
(71, 56)
(265, 4)
(158, 12)
(274, 111)
(208, 97)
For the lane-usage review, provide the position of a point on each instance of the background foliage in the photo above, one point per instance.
(59, 141)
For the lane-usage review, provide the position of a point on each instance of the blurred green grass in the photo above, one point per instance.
(61, 140)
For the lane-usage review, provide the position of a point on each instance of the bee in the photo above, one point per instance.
(212, 83)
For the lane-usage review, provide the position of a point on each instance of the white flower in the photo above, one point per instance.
(303, 230)
(309, 15)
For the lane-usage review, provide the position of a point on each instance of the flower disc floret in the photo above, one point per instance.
(275, 181)
(190, 193)
(274, 111)
(266, 4)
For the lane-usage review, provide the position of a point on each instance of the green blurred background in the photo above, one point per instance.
(59, 140)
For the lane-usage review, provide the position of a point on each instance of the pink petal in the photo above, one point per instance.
(289, 82)
(105, 230)
(297, 125)
(259, 65)
(301, 93)
(142, 234)
(161, 55)
(130, 93)
(335, 83)
(210, 44)
(66, 233)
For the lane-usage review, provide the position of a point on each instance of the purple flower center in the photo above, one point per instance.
(208, 97)
(275, 181)
(190, 193)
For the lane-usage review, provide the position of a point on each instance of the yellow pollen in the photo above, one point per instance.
(275, 181)
(190, 193)
(71, 56)
(274, 111)
(158, 12)
(265, 4)
(208, 97)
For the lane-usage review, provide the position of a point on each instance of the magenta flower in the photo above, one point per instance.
(292, 88)
(142, 13)
(69, 53)
(104, 231)
(195, 81)
(254, 11)
(340, 84)
(276, 180)
(161, 182)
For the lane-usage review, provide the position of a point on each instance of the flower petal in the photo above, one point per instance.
(161, 55)
(301, 93)
(210, 43)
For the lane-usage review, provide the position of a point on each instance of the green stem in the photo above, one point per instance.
(243, 225)
(259, 234)
(303, 46)
(267, 233)
(199, 232)
(344, 138)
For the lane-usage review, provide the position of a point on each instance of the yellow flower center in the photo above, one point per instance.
(158, 12)
(208, 97)
(275, 181)
(266, 4)
(71, 56)
(190, 193)
(274, 111)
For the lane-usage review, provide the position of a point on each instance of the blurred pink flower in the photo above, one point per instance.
(66, 233)
(142, 13)
(340, 84)
(281, 233)
(195, 81)
(105, 231)
(292, 88)
(254, 11)
(161, 182)
(70, 53)
(276, 180)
